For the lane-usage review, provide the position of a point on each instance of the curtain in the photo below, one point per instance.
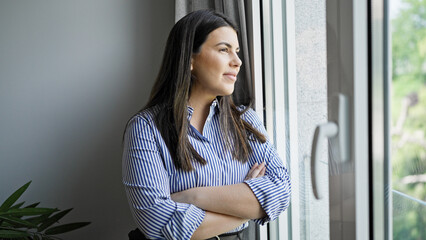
(235, 10)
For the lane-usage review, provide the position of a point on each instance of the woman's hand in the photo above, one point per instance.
(256, 171)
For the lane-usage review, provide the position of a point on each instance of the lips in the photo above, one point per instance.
(231, 75)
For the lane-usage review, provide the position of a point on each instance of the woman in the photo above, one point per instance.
(195, 165)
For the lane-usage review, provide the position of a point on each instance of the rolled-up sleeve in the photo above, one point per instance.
(147, 187)
(274, 189)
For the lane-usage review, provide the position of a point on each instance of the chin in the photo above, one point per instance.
(230, 90)
(228, 93)
(225, 91)
(225, 94)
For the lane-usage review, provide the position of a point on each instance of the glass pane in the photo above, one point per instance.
(311, 67)
(296, 102)
(407, 20)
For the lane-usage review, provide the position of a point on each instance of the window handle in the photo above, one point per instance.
(338, 130)
(322, 132)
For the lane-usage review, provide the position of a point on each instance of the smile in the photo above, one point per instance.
(231, 77)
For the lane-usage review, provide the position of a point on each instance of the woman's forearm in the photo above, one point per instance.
(216, 224)
(236, 200)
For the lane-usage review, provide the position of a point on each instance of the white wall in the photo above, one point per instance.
(71, 74)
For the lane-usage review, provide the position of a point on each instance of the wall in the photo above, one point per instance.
(71, 74)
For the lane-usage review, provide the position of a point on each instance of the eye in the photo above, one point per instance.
(223, 50)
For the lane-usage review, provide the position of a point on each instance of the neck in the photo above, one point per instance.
(201, 106)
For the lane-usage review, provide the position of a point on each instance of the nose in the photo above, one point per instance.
(236, 61)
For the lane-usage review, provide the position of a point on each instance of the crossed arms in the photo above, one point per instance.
(227, 207)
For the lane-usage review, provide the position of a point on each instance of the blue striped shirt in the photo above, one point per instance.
(149, 175)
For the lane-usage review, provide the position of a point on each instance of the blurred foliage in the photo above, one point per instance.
(408, 103)
(32, 222)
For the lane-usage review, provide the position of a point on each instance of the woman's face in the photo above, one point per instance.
(215, 67)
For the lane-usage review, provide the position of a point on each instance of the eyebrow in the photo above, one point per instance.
(227, 44)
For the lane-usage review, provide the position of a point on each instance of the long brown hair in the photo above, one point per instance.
(172, 89)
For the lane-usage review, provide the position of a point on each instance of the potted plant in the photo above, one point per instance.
(31, 222)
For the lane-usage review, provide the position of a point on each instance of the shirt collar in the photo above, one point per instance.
(190, 112)
(214, 107)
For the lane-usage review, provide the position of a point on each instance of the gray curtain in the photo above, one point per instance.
(235, 10)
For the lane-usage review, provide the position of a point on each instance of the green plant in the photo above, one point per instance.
(32, 222)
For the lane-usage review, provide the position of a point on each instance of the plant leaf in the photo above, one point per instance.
(17, 222)
(38, 219)
(28, 211)
(65, 228)
(14, 197)
(5, 225)
(17, 205)
(33, 205)
(13, 234)
(53, 219)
